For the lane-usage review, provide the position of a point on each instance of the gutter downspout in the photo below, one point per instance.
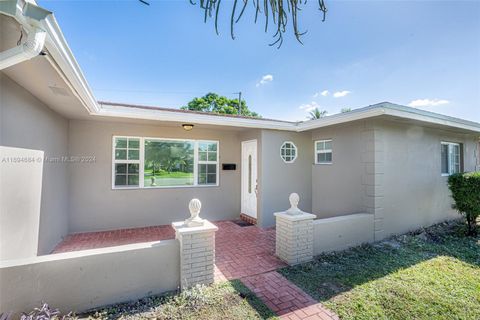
(31, 18)
(25, 51)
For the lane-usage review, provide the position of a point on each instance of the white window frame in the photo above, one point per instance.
(294, 147)
(141, 163)
(317, 152)
(449, 152)
(197, 162)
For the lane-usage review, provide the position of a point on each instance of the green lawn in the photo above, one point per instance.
(432, 275)
(228, 300)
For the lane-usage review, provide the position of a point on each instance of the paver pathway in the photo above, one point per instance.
(245, 253)
(286, 299)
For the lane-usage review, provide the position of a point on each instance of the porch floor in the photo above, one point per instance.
(239, 251)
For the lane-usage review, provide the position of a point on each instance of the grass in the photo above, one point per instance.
(433, 274)
(228, 300)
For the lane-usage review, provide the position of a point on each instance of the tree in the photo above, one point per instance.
(212, 102)
(317, 114)
(345, 110)
(276, 12)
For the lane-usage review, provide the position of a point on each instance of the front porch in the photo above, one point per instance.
(239, 251)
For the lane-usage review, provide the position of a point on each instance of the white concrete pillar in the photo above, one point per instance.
(294, 234)
(197, 248)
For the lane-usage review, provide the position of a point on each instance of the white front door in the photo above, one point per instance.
(249, 178)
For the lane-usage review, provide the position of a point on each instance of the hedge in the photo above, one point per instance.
(465, 189)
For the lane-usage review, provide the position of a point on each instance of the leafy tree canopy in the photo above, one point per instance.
(212, 102)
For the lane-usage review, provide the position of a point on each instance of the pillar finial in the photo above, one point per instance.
(194, 221)
(294, 199)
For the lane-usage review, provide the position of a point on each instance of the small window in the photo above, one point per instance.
(451, 158)
(207, 163)
(288, 152)
(126, 162)
(323, 152)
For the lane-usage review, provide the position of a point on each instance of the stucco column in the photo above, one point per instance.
(294, 234)
(197, 248)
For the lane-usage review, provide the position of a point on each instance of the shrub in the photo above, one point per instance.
(465, 189)
(45, 312)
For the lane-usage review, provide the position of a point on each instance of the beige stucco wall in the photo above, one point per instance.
(94, 205)
(411, 191)
(82, 280)
(20, 198)
(27, 123)
(280, 179)
(337, 187)
(339, 233)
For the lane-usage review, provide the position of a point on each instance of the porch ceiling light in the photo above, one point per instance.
(187, 126)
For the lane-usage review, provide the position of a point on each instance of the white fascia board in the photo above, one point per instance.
(433, 118)
(62, 55)
(184, 117)
(340, 118)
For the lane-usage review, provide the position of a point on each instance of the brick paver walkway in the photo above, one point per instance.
(286, 299)
(245, 253)
(102, 239)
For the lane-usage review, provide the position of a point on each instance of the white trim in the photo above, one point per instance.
(449, 152)
(141, 162)
(323, 151)
(294, 147)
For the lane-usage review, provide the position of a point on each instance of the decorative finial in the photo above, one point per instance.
(294, 199)
(194, 221)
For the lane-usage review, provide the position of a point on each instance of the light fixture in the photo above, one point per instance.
(187, 126)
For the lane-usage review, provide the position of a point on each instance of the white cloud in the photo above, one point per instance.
(309, 106)
(340, 94)
(427, 103)
(323, 93)
(265, 79)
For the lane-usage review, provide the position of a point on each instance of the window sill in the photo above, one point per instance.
(322, 163)
(165, 187)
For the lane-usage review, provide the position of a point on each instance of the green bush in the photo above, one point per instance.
(465, 189)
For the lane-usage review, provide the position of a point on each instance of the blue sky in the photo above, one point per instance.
(422, 53)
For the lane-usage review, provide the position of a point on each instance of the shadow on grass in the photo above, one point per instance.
(263, 311)
(227, 300)
(332, 274)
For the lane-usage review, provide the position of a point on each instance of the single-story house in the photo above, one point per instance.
(70, 163)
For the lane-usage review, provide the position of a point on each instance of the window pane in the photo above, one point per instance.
(120, 142)
(132, 168)
(120, 168)
(203, 146)
(202, 156)
(250, 174)
(444, 156)
(120, 180)
(211, 168)
(134, 143)
(133, 154)
(328, 157)
(212, 146)
(202, 168)
(133, 180)
(168, 163)
(121, 154)
(212, 156)
(211, 178)
(202, 178)
(328, 145)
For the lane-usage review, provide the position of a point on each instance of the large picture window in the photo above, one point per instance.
(451, 158)
(157, 162)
